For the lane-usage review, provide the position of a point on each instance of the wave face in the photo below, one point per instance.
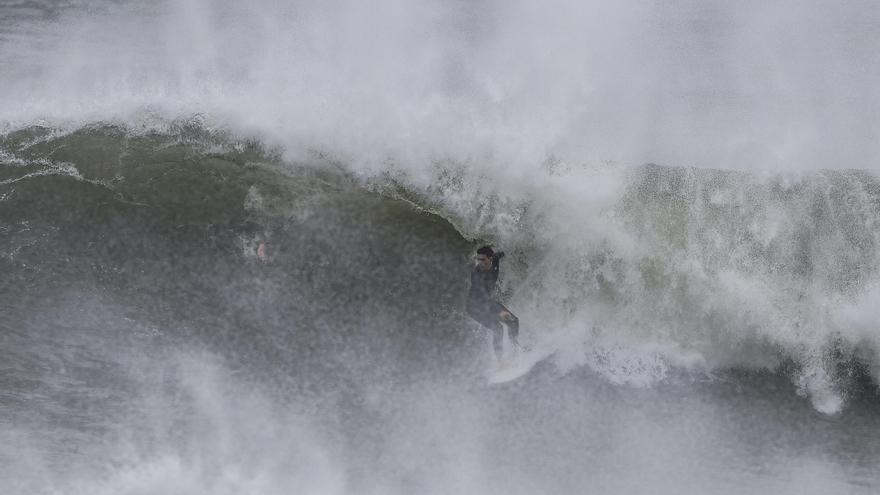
(235, 240)
(145, 328)
(152, 344)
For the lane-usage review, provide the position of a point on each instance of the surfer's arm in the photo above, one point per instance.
(496, 266)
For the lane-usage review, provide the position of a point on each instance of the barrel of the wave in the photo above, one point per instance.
(483, 306)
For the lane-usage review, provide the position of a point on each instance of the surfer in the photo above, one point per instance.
(481, 303)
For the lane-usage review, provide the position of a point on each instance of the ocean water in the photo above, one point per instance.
(235, 242)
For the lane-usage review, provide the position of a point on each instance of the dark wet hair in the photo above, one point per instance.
(486, 250)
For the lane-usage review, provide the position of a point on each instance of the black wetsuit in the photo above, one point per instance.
(482, 306)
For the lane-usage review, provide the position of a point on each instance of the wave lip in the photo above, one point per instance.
(712, 85)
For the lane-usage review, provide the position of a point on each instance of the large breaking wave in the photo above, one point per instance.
(631, 271)
(234, 244)
(706, 268)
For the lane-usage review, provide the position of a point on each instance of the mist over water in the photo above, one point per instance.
(767, 86)
(235, 241)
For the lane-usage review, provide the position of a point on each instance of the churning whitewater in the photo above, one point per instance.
(235, 243)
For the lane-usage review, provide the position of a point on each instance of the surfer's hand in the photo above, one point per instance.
(505, 316)
(499, 255)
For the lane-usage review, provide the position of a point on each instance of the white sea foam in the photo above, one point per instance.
(711, 84)
(527, 108)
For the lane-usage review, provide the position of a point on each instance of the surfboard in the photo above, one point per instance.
(518, 366)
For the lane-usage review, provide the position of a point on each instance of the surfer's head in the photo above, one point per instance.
(484, 258)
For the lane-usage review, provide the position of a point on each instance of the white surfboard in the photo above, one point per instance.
(518, 366)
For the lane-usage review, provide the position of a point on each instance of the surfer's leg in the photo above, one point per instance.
(497, 339)
(512, 323)
(491, 323)
(513, 328)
